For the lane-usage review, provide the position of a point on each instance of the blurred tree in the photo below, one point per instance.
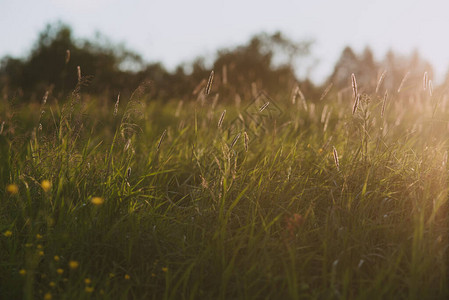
(11, 71)
(347, 64)
(47, 66)
(363, 66)
(266, 61)
(367, 69)
(412, 67)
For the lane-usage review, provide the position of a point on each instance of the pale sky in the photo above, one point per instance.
(175, 31)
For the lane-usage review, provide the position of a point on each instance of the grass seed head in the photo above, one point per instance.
(295, 94)
(383, 104)
(425, 81)
(44, 99)
(220, 121)
(356, 104)
(127, 145)
(326, 121)
(67, 56)
(78, 68)
(246, 140)
(337, 162)
(116, 105)
(300, 94)
(234, 141)
(326, 91)
(404, 79)
(261, 109)
(209, 83)
(161, 139)
(381, 79)
(354, 86)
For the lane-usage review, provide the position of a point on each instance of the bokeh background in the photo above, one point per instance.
(175, 31)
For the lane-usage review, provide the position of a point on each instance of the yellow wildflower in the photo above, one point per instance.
(97, 201)
(46, 185)
(38, 236)
(7, 233)
(22, 272)
(60, 271)
(73, 264)
(164, 269)
(87, 281)
(56, 258)
(89, 289)
(52, 284)
(47, 296)
(41, 253)
(127, 277)
(13, 189)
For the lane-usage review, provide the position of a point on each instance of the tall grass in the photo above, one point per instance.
(276, 214)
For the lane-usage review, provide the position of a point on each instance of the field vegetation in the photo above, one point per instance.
(336, 192)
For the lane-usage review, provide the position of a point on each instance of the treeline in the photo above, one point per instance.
(266, 61)
(107, 68)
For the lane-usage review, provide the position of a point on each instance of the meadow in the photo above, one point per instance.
(275, 197)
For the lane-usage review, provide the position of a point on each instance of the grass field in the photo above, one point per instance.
(279, 197)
